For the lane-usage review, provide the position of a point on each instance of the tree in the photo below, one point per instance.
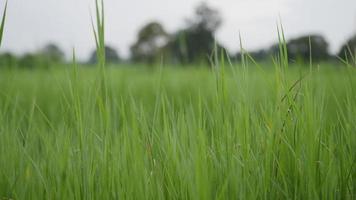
(8, 60)
(150, 40)
(303, 47)
(29, 61)
(196, 42)
(52, 54)
(111, 56)
(258, 55)
(206, 18)
(348, 50)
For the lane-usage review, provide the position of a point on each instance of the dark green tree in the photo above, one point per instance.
(8, 60)
(348, 50)
(29, 61)
(206, 18)
(302, 48)
(258, 55)
(150, 40)
(196, 42)
(111, 56)
(52, 54)
(314, 46)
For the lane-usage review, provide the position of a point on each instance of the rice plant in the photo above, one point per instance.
(235, 132)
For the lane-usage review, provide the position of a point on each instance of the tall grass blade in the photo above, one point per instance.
(2, 26)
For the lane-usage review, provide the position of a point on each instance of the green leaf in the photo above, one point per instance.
(3, 23)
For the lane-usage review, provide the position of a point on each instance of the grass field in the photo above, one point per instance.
(236, 131)
(178, 134)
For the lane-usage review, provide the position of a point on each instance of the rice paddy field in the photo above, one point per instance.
(178, 134)
(229, 131)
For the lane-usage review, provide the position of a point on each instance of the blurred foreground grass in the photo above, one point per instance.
(178, 134)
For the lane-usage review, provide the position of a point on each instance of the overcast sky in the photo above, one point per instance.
(33, 23)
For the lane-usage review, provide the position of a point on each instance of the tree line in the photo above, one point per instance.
(194, 43)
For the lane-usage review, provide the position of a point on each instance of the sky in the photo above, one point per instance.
(31, 24)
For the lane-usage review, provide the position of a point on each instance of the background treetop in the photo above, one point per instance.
(206, 18)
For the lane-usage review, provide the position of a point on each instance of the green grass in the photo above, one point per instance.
(235, 132)
(177, 134)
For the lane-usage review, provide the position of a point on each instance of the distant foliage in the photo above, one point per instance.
(300, 49)
(47, 57)
(53, 54)
(258, 55)
(8, 60)
(196, 42)
(314, 46)
(206, 18)
(150, 41)
(34, 61)
(303, 48)
(111, 56)
(348, 50)
(192, 44)
(29, 61)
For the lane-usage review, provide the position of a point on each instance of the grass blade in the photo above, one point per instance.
(2, 26)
